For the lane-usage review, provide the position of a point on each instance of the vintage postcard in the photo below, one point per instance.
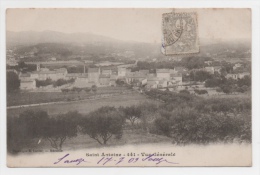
(128, 87)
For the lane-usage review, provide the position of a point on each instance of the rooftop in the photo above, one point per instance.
(176, 75)
(93, 70)
(25, 75)
(27, 81)
(104, 76)
(164, 70)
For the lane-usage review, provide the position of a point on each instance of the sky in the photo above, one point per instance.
(142, 25)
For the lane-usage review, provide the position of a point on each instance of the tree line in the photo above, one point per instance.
(183, 118)
(56, 83)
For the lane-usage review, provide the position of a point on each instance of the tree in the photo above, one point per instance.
(200, 92)
(132, 113)
(87, 90)
(200, 75)
(76, 89)
(34, 122)
(62, 127)
(120, 82)
(64, 91)
(23, 130)
(219, 90)
(59, 82)
(244, 81)
(94, 88)
(102, 124)
(226, 89)
(184, 91)
(163, 125)
(21, 64)
(46, 82)
(13, 82)
(214, 82)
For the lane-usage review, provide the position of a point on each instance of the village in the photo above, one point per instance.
(104, 75)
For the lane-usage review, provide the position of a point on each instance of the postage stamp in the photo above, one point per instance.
(180, 33)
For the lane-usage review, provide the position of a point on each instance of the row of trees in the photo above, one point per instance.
(33, 126)
(93, 88)
(100, 125)
(184, 118)
(57, 83)
(199, 120)
(188, 62)
(23, 67)
(230, 85)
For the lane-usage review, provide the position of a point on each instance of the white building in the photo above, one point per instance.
(242, 75)
(176, 79)
(209, 70)
(27, 84)
(233, 76)
(237, 65)
(44, 74)
(164, 73)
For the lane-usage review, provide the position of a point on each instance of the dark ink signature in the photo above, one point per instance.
(132, 160)
(116, 161)
(63, 160)
(157, 160)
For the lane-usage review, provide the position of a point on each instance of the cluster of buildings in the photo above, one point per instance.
(214, 69)
(28, 80)
(105, 76)
(237, 75)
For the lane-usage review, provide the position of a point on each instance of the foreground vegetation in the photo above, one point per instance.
(183, 119)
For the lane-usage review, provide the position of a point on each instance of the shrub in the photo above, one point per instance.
(46, 82)
(184, 91)
(200, 92)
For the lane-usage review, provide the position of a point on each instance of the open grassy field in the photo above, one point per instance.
(23, 97)
(87, 105)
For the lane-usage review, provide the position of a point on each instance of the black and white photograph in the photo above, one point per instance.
(128, 87)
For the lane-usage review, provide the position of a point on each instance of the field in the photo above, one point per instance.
(87, 105)
(24, 98)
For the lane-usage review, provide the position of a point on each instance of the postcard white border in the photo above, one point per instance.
(254, 5)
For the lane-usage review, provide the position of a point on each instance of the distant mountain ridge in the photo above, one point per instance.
(47, 36)
(55, 42)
